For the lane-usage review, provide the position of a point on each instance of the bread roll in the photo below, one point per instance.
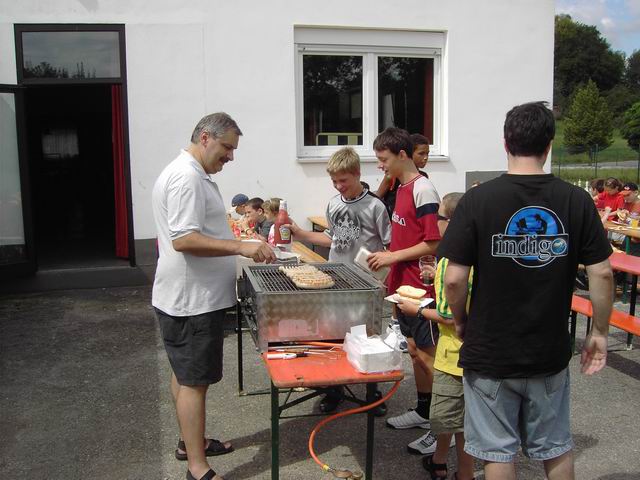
(411, 292)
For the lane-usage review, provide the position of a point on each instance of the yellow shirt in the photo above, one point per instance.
(448, 349)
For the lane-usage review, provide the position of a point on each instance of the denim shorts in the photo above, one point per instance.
(194, 346)
(504, 414)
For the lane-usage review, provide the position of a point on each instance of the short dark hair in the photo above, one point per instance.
(597, 184)
(394, 139)
(256, 203)
(528, 129)
(630, 186)
(419, 139)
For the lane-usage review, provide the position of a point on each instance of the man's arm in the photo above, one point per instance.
(456, 289)
(594, 351)
(381, 259)
(200, 245)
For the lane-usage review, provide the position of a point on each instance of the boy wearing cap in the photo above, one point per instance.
(238, 204)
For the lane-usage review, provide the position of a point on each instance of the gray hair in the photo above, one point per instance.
(216, 125)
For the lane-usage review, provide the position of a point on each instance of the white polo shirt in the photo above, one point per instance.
(186, 200)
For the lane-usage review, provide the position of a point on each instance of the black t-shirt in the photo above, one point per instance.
(524, 235)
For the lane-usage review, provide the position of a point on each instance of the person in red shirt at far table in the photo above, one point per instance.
(610, 199)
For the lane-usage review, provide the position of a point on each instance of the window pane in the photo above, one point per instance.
(405, 94)
(332, 100)
(12, 244)
(71, 55)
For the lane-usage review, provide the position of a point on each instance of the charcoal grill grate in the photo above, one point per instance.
(272, 280)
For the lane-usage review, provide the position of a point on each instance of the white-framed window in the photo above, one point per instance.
(353, 83)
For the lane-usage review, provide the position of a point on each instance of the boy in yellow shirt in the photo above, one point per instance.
(447, 403)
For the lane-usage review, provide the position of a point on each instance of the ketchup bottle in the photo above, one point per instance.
(282, 234)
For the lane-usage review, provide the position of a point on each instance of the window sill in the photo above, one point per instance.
(364, 159)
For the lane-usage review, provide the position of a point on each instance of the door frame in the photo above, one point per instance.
(28, 265)
(20, 28)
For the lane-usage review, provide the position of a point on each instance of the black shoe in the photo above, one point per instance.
(329, 403)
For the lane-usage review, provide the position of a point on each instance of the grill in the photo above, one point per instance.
(273, 280)
(279, 312)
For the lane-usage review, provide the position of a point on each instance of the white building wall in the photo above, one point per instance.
(186, 59)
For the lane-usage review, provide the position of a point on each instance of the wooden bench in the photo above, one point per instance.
(618, 319)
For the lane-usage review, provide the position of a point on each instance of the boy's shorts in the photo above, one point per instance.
(194, 346)
(424, 332)
(505, 414)
(447, 404)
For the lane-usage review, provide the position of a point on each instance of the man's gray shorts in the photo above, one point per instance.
(502, 415)
(194, 346)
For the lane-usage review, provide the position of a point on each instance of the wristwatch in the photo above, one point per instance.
(419, 314)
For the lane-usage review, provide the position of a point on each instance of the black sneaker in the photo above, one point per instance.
(330, 403)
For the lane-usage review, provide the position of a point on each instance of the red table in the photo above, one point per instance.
(315, 372)
(622, 262)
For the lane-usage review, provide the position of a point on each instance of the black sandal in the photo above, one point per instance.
(215, 447)
(207, 476)
(429, 466)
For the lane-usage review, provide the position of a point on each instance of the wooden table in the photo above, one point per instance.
(318, 224)
(318, 372)
(622, 262)
(306, 254)
(627, 231)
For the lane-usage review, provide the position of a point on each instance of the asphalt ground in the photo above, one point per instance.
(85, 395)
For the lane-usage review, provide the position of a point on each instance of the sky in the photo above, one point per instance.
(617, 20)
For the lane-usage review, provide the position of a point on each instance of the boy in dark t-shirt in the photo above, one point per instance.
(524, 234)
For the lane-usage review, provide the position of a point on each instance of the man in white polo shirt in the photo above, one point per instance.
(195, 279)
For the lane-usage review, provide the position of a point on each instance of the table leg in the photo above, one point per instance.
(632, 306)
(275, 433)
(371, 397)
(239, 332)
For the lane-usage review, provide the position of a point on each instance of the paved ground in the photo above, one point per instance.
(85, 395)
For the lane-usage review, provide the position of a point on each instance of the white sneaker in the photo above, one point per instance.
(395, 326)
(426, 444)
(410, 419)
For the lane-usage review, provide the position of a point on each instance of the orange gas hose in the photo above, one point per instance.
(324, 421)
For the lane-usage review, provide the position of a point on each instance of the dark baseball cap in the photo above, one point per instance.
(628, 188)
(239, 199)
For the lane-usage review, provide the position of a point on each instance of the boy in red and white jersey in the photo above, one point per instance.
(414, 233)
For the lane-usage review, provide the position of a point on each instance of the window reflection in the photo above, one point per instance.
(332, 100)
(74, 55)
(405, 94)
(12, 244)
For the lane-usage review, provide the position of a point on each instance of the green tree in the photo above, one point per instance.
(631, 126)
(632, 72)
(619, 99)
(588, 124)
(582, 54)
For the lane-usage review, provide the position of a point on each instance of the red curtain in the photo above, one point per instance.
(117, 141)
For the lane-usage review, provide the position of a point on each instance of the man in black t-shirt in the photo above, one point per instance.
(524, 234)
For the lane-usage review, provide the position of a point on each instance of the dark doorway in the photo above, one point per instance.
(71, 167)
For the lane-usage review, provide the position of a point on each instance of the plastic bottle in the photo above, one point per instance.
(282, 234)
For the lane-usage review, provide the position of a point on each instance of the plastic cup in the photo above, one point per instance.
(427, 264)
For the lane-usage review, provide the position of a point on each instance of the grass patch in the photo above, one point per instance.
(619, 151)
(581, 176)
